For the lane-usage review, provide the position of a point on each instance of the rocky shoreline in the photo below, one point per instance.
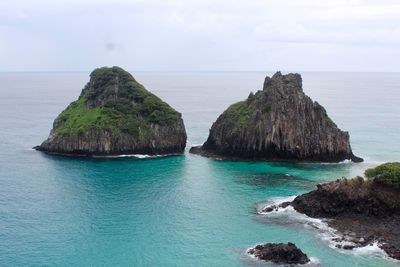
(363, 212)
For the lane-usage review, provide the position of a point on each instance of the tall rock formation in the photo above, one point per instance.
(116, 115)
(277, 123)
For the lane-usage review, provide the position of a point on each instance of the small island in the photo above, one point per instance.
(364, 211)
(279, 253)
(278, 123)
(116, 115)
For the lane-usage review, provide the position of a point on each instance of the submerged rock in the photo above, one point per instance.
(279, 253)
(277, 123)
(116, 115)
(364, 211)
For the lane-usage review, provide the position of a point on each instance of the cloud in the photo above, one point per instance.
(200, 35)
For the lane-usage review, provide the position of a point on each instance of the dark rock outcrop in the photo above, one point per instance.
(278, 123)
(116, 115)
(349, 196)
(279, 253)
(365, 210)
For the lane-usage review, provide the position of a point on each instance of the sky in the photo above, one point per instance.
(200, 35)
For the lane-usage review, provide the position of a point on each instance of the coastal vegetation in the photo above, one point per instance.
(387, 174)
(238, 114)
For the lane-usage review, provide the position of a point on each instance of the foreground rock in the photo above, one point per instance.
(278, 123)
(364, 212)
(279, 253)
(116, 115)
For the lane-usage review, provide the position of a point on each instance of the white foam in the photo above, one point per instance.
(249, 254)
(314, 262)
(139, 156)
(325, 232)
(194, 145)
(275, 202)
(371, 249)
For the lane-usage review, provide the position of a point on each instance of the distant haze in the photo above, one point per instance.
(301, 35)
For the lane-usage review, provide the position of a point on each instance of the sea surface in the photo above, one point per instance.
(182, 210)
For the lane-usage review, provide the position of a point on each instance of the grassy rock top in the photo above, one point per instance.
(114, 101)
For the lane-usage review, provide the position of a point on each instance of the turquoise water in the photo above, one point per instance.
(172, 211)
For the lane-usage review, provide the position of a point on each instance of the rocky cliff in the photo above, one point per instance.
(116, 115)
(279, 122)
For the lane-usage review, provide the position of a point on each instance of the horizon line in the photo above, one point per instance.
(203, 71)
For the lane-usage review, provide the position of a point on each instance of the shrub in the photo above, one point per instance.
(239, 114)
(388, 174)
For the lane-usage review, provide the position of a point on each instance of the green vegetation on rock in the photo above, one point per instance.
(239, 114)
(113, 101)
(387, 173)
(328, 120)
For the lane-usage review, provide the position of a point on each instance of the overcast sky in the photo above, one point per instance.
(295, 35)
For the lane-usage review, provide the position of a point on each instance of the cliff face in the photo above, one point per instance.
(278, 123)
(116, 115)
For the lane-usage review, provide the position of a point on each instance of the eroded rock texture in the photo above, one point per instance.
(279, 122)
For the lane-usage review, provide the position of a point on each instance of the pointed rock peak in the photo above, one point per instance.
(105, 73)
(107, 79)
(277, 75)
(279, 81)
(278, 123)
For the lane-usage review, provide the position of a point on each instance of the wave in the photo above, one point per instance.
(138, 156)
(275, 202)
(192, 145)
(371, 249)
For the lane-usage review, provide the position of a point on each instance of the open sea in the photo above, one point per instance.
(182, 210)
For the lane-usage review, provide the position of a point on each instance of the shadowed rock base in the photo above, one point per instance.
(270, 156)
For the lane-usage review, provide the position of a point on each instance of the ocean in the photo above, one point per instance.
(182, 210)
